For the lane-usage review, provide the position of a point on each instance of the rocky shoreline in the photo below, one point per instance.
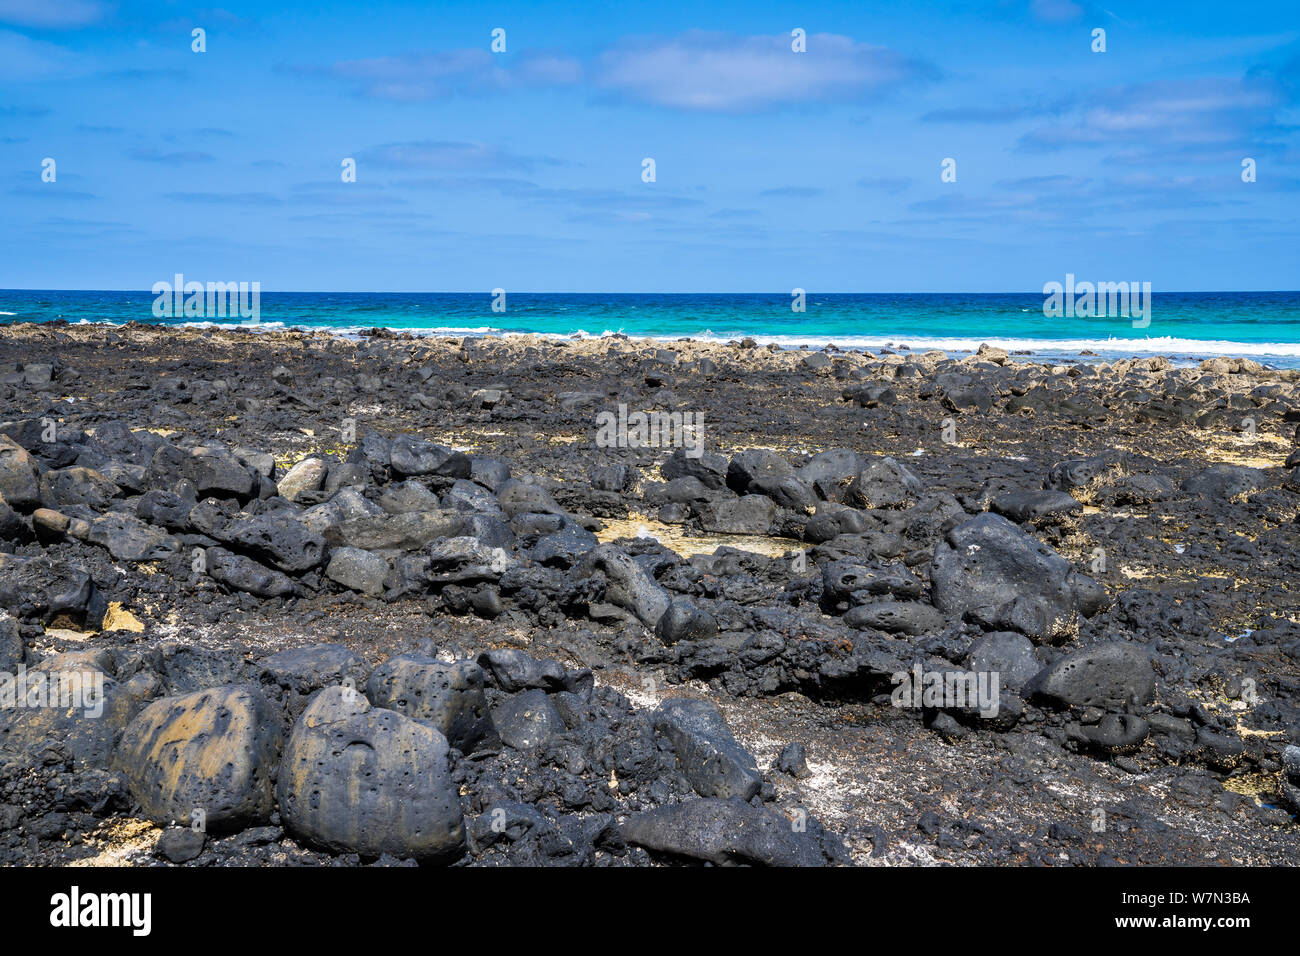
(397, 599)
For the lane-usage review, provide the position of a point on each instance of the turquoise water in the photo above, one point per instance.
(1184, 326)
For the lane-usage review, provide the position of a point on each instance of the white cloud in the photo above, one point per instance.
(723, 73)
(1056, 11)
(430, 76)
(448, 155)
(22, 58)
(1184, 113)
(51, 14)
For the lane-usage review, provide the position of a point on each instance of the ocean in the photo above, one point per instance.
(1185, 326)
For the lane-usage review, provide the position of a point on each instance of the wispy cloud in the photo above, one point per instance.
(1056, 11)
(178, 158)
(1199, 119)
(1051, 181)
(337, 193)
(716, 72)
(40, 190)
(22, 58)
(146, 73)
(792, 192)
(605, 205)
(427, 76)
(449, 155)
(886, 184)
(51, 14)
(227, 199)
(697, 70)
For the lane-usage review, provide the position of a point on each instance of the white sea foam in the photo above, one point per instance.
(1162, 345)
(233, 326)
(1288, 352)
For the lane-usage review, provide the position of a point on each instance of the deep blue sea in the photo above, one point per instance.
(1184, 326)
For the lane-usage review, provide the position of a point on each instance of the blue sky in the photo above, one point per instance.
(774, 169)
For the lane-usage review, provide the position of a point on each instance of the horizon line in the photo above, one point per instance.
(787, 293)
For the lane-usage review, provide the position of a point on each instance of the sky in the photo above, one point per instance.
(773, 169)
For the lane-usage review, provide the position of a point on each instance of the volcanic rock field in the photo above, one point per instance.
(388, 600)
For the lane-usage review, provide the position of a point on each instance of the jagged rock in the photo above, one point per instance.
(710, 468)
(1222, 482)
(447, 696)
(831, 472)
(1022, 506)
(307, 475)
(358, 570)
(517, 498)
(627, 585)
(411, 456)
(1009, 655)
(750, 514)
(989, 571)
(712, 760)
(40, 589)
(793, 760)
(20, 484)
(756, 465)
(180, 844)
(685, 621)
(724, 832)
(300, 672)
(244, 574)
(511, 670)
(400, 532)
(213, 471)
(77, 486)
(12, 647)
(883, 483)
(527, 719)
(85, 733)
(127, 538)
(277, 538)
